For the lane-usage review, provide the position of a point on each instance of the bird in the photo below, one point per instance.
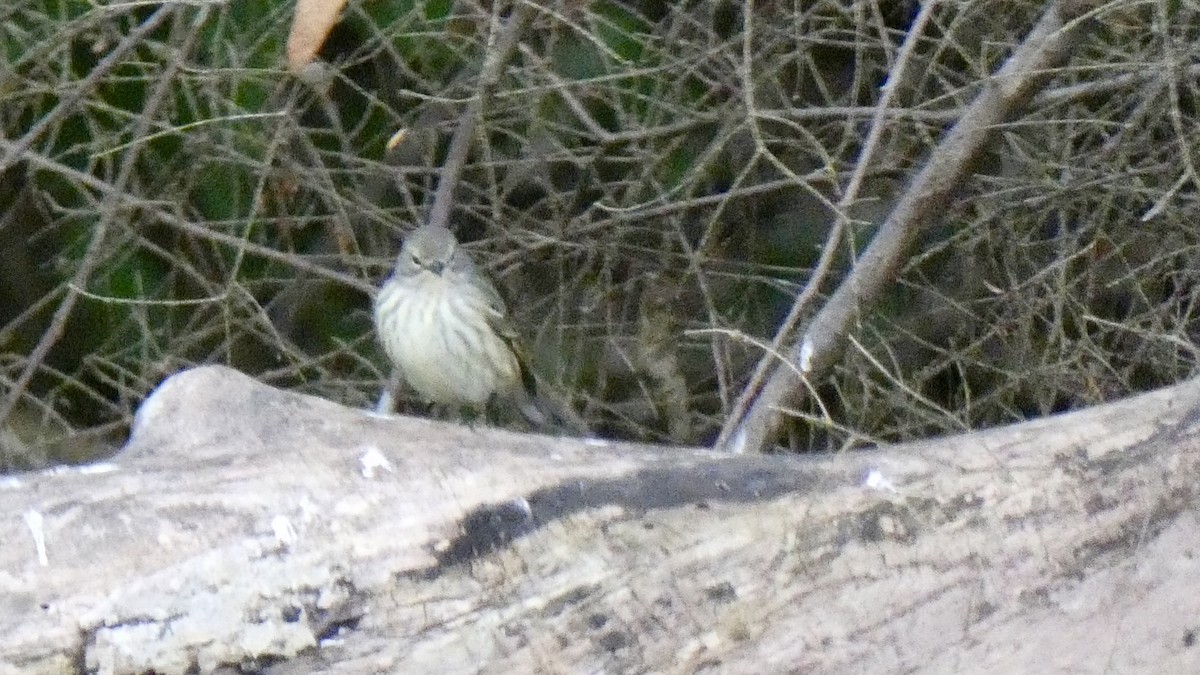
(447, 331)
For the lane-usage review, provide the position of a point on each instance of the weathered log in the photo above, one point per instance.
(248, 527)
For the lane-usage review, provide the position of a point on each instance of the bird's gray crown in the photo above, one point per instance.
(431, 248)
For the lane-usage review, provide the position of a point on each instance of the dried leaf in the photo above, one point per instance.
(311, 25)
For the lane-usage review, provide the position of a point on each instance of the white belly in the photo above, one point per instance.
(442, 343)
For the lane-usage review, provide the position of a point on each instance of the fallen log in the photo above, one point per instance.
(248, 528)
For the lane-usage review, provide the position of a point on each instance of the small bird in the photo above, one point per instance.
(446, 329)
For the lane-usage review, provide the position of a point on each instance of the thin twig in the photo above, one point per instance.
(816, 349)
(168, 217)
(70, 102)
(110, 207)
(833, 240)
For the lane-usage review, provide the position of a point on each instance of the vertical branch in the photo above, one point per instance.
(500, 48)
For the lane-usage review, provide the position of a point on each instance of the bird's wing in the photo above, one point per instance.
(501, 323)
(539, 409)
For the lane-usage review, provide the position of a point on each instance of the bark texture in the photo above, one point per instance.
(245, 527)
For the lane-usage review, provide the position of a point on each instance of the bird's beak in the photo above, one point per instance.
(436, 268)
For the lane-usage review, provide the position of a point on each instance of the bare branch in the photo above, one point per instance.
(495, 59)
(816, 349)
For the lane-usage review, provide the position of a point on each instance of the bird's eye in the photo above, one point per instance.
(416, 261)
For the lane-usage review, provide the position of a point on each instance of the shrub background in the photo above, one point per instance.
(651, 183)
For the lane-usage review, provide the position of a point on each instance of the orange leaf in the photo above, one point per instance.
(311, 25)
